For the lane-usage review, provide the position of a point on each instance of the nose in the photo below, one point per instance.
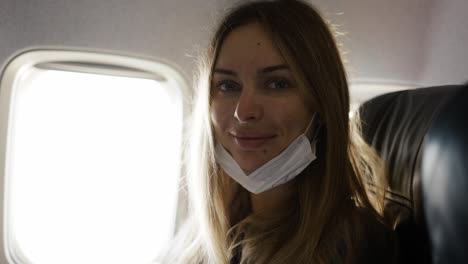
(249, 107)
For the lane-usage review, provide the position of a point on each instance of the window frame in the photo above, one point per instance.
(78, 61)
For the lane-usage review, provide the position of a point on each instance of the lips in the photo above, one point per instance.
(251, 141)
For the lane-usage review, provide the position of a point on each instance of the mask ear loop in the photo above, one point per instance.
(310, 124)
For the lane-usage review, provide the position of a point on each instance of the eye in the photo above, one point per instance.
(279, 84)
(228, 86)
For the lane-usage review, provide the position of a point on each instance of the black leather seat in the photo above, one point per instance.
(422, 135)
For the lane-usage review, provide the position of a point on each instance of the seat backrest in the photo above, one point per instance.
(397, 125)
(444, 172)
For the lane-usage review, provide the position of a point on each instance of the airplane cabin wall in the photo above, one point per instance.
(162, 29)
(383, 41)
(446, 59)
(410, 42)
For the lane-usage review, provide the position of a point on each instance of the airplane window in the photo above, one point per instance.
(92, 167)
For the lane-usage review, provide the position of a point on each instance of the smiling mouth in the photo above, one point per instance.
(247, 143)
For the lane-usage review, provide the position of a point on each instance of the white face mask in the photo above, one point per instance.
(279, 170)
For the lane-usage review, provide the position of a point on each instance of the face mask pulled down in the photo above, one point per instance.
(279, 170)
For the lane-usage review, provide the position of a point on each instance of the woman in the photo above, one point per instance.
(276, 171)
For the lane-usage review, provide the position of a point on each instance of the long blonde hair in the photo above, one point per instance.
(347, 174)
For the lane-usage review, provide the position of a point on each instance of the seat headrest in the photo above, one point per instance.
(396, 125)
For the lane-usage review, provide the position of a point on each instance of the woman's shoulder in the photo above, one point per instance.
(376, 241)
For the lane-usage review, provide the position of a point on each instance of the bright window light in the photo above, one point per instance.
(93, 165)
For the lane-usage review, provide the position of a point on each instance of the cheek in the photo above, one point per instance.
(219, 115)
(295, 121)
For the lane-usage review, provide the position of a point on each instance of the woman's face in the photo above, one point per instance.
(257, 109)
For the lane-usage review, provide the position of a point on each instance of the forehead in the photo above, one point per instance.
(248, 45)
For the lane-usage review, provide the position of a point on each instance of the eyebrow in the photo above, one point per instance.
(280, 67)
(269, 69)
